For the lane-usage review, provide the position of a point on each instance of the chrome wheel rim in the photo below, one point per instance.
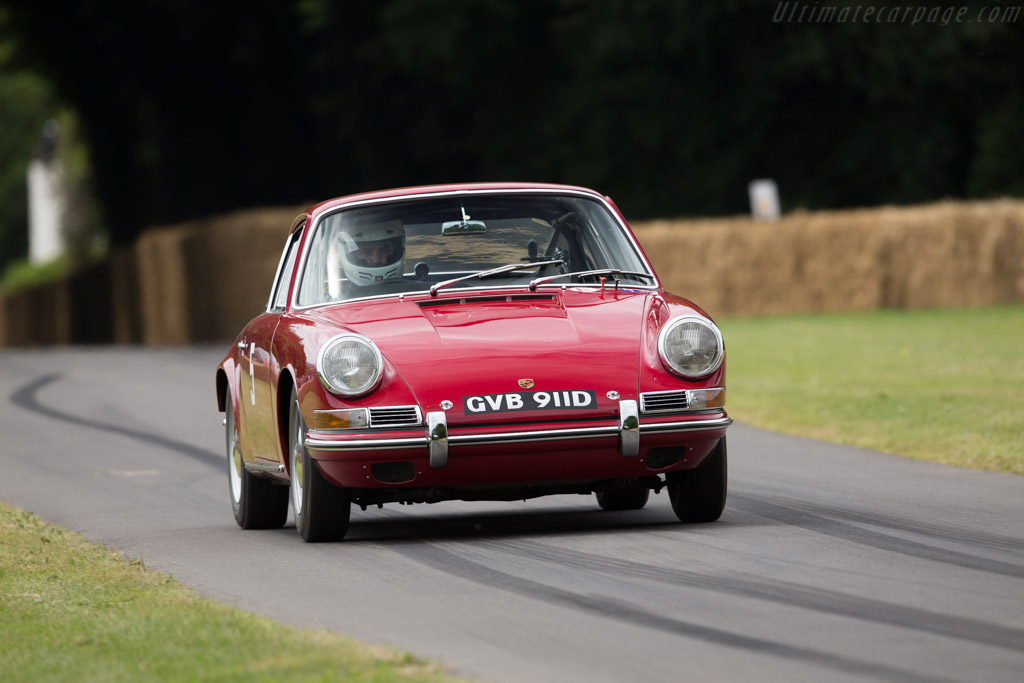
(296, 458)
(234, 456)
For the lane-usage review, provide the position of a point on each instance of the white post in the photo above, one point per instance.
(45, 207)
(764, 200)
(45, 201)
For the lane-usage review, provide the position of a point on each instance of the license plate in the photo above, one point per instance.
(523, 401)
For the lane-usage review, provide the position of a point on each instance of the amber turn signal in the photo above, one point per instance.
(701, 399)
(356, 418)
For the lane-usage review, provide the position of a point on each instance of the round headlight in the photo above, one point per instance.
(349, 365)
(691, 346)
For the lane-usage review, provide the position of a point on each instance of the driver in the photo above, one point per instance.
(372, 253)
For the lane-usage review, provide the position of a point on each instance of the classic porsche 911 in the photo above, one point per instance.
(470, 342)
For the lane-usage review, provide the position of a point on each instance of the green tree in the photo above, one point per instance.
(671, 107)
(26, 101)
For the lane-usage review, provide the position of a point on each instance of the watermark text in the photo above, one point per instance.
(818, 13)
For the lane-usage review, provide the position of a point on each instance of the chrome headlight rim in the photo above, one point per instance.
(679, 320)
(333, 341)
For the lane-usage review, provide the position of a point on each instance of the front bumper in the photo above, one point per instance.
(436, 455)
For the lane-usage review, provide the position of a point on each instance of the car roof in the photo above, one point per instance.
(443, 189)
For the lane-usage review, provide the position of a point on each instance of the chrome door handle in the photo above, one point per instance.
(252, 373)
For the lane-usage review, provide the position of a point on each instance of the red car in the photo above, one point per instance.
(472, 342)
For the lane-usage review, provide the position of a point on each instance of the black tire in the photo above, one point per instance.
(627, 498)
(698, 495)
(256, 502)
(322, 510)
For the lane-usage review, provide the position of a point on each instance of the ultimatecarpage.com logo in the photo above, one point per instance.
(816, 13)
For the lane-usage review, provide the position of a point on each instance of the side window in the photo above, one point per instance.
(280, 296)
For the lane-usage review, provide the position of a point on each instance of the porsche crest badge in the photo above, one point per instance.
(526, 384)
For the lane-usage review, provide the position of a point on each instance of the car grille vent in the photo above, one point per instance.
(509, 298)
(395, 416)
(663, 402)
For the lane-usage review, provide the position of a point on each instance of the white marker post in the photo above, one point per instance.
(764, 200)
(45, 201)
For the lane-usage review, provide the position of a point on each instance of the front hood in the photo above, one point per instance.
(456, 347)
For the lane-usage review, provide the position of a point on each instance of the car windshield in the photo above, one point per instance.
(403, 247)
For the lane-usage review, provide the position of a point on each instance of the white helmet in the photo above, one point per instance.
(372, 253)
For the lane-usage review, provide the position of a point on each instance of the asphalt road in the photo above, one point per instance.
(829, 563)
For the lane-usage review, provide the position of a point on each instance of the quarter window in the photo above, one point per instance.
(284, 276)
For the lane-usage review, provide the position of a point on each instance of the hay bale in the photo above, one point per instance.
(943, 254)
(231, 263)
(10, 317)
(204, 279)
(125, 297)
(164, 285)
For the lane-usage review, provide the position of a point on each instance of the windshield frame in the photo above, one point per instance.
(310, 232)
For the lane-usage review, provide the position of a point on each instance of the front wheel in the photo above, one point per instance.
(257, 503)
(321, 509)
(698, 495)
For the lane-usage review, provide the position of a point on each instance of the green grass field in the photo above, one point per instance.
(940, 385)
(72, 611)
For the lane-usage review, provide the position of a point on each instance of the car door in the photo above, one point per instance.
(259, 370)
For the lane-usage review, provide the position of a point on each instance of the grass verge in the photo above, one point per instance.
(940, 385)
(70, 610)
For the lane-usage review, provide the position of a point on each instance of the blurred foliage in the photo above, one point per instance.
(20, 274)
(84, 234)
(670, 107)
(27, 101)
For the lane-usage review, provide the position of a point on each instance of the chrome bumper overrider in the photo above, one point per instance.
(437, 439)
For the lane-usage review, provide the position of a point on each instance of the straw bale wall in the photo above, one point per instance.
(179, 284)
(201, 281)
(938, 255)
(230, 262)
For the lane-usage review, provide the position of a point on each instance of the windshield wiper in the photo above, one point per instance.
(434, 289)
(582, 273)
